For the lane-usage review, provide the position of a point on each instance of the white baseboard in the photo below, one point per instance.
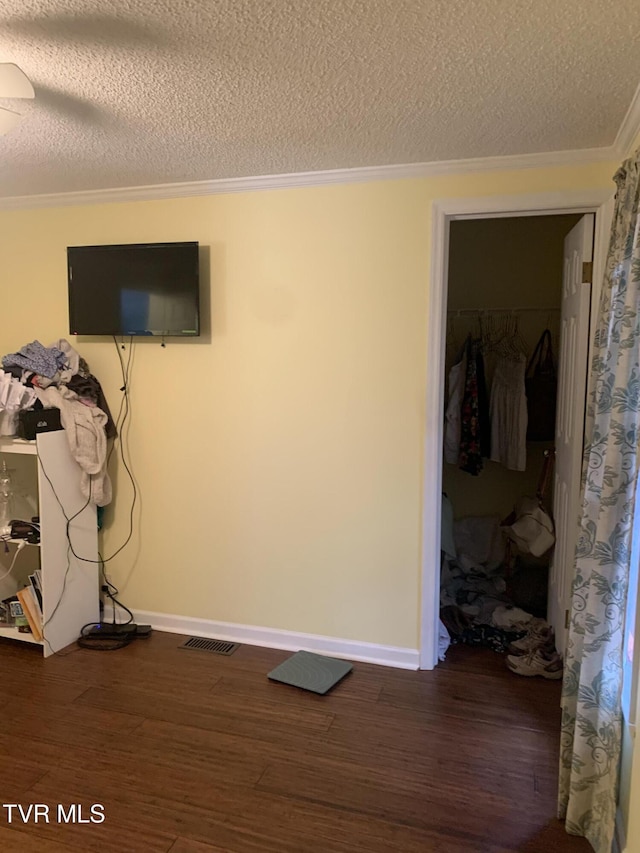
(273, 638)
(620, 835)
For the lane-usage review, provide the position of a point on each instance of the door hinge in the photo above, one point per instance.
(567, 617)
(587, 272)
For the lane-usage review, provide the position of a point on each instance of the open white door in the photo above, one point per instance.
(570, 414)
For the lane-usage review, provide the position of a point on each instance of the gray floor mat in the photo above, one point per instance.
(311, 672)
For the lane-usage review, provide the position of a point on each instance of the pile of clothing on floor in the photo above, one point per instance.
(479, 607)
(39, 377)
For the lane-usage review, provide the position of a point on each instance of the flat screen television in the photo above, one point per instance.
(134, 289)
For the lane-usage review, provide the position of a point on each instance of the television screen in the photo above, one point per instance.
(134, 289)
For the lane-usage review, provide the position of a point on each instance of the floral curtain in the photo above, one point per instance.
(591, 695)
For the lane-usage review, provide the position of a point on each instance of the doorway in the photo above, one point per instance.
(508, 308)
(445, 214)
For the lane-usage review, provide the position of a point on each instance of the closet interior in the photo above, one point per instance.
(502, 343)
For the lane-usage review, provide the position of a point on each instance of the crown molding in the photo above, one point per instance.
(629, 129)
(328, 177)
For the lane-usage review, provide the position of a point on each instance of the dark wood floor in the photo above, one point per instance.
(190, 752)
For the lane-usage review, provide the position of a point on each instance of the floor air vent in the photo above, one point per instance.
(202, 644)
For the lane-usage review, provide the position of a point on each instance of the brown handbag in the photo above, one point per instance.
(541, 386)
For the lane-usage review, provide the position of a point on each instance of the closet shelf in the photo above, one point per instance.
(12, 633)
(471, 312)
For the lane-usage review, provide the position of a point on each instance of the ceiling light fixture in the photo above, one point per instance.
(14, 83)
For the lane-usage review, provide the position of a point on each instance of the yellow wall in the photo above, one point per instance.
(279, 458)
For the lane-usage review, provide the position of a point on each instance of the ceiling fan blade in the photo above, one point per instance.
(14, 83)
(8, 120)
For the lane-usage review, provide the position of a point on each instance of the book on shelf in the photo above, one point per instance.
(35, 581)
(37, 605)
(27, 599)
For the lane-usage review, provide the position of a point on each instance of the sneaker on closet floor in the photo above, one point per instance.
(538, 637)
(537, 662)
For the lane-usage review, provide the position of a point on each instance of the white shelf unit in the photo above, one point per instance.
(70, 586)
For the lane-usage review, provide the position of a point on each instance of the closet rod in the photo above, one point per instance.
(481, 312)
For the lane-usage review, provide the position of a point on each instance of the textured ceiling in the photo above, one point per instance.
(139, 92)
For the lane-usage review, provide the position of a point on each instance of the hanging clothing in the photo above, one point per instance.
(89, 392)
(483, 406)
(508, 412)
(474, 416)
(84, 427)
(453, 414)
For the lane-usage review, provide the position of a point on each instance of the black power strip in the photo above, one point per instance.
(111, 631)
